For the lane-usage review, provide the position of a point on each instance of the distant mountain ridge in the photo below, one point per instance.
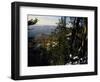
(35, 30)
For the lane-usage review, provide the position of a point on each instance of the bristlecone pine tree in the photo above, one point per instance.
(71, 42)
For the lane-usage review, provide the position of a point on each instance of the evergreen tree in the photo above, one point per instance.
(60, 51)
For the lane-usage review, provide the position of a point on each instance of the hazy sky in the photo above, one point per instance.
(45, 20)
